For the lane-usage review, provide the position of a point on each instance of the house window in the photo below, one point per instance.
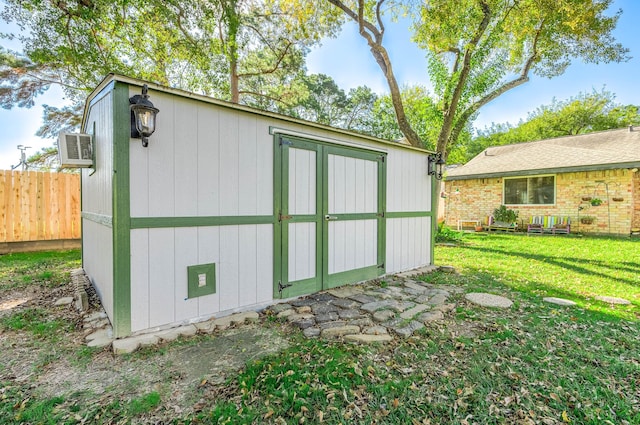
(539, 190)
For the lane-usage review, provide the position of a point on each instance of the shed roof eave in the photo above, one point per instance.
(597, 167)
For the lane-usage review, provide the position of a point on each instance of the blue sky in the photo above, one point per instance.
(348, 61)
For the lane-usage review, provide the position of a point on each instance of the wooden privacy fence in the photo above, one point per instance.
(38, 206)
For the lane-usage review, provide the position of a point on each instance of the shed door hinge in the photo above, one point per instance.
(283, 217)
(381, 266)
(281, 287)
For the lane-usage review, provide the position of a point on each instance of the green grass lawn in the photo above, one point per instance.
(575, 268)
(534, 363)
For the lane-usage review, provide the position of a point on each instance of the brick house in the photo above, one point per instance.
(560, 177)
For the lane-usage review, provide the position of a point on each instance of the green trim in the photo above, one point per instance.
(277, 225)
(163, 222)
(323, 280)
(301, 287)
(352, 276)
(355, 216)
(121, 212)
(194, 287)
(105, 220)
(408, 214)
(382, 221)
(312, 284)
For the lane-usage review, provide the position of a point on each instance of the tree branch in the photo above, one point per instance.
(271, 70)
(381, 56)
(449, 112)
(521, 79)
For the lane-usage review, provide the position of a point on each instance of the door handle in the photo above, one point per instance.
(330, 217)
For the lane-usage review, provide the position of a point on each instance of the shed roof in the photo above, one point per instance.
(602, 150)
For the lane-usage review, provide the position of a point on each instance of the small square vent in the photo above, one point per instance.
(75, 150)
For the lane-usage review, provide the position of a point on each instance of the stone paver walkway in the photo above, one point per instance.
(374, 311)
(369, 312)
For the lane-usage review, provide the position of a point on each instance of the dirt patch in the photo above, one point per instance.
(181, 372)
(175, 371)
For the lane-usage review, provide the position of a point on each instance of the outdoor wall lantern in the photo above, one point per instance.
(435, 165)
(143, 116)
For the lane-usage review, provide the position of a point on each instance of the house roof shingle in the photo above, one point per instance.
(594, 151)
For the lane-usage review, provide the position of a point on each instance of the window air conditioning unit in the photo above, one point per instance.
(75, 150)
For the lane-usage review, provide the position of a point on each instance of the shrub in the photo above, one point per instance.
(505, 215)
(446, 234)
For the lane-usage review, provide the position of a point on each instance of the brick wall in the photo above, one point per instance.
(477, 198)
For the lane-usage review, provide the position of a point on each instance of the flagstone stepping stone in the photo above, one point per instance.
(408, 314)
(488, 300)
(558, 301)
(345, 291)
(279, 308)
(311, 332)
(339, 331)
(431, 316)
(438, 299)
(367, 339)
(332, 316)
(365, 321)
(350, 313)
(362, 298)
(324, 308)
(345, 303)
(375, 330)
(613, 300)
(409, 329)
(63, 301)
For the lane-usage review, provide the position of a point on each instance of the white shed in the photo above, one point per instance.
(231, 208)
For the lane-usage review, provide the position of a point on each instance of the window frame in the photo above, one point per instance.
(555, 189)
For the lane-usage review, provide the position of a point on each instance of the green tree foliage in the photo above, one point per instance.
(480, 49)
(247, 51)
(584, 113)
(328, 104)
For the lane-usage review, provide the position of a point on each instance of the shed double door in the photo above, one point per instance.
(331, 216)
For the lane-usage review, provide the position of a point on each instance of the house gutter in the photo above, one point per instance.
(519, 173)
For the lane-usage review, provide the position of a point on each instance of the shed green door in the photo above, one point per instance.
(331, 217)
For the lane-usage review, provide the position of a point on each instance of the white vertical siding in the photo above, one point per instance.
(97, 256)
(97, 198)
(353, 185)
(301, 251)
(244, 271)
(161, 285)
(206, 162)
(185, 152)
(352, 244)
(140, 284)
(408, 185)
(302, 181)
(97, 181)
(408, 241)
(186, 254)
(202, 160)
(209, 252)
